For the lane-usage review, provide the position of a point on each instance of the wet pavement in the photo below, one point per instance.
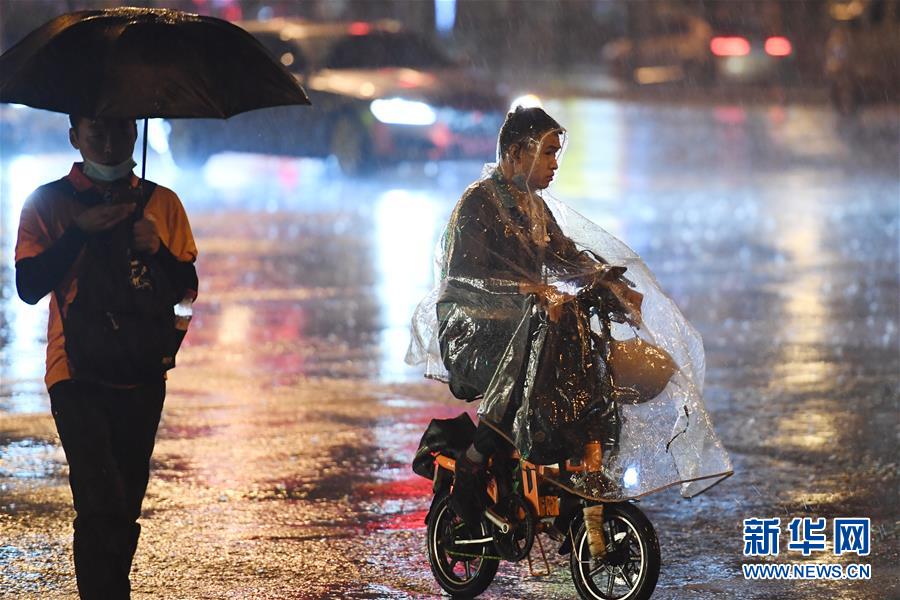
(282, 463)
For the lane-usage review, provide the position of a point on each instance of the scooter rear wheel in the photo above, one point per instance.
(631, 567)
(461, 570)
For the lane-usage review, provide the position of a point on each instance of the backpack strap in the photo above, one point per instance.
(147, 188)
(63, 186)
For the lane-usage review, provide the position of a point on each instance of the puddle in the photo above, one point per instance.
(31, 459)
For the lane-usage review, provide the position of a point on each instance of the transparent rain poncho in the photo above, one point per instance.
(566, 336)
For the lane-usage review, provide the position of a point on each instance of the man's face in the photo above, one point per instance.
(104, 141)
(539, 163)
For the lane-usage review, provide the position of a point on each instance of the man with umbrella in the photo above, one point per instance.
(114, 251)
(107, 427)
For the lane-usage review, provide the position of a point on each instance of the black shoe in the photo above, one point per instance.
(469, 498)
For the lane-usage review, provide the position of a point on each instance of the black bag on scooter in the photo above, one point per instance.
(571, 401)
(447, 436)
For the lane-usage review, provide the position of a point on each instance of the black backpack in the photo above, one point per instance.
(120, 328)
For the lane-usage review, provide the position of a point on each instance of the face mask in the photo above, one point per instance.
(108, 172)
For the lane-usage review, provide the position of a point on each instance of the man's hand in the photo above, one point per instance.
(146, 236)
(103, 217)
(630, 299)
(550, 298)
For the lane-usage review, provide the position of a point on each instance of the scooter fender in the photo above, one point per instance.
(440, 485)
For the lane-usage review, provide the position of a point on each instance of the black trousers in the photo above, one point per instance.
(108, 436)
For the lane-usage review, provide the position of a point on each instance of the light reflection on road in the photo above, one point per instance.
(290, 423)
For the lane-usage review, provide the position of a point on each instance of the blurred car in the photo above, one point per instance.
(749, 47)
(380, 94)
(663, 47)
(861, 52)
(30, 130)
(734, 43)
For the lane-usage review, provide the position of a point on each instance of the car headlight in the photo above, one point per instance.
(397, 111)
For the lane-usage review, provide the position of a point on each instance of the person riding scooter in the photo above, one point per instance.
(564, 335)
(503, 246)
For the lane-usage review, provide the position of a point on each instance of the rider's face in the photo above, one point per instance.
(104, 141)
(539, 164)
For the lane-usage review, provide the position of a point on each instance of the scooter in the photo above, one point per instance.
(613, 549)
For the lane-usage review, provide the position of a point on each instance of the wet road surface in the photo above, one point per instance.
(281, 468)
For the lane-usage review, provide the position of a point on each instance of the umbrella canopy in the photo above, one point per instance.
(144, 63)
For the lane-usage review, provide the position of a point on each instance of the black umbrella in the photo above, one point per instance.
(142, 63)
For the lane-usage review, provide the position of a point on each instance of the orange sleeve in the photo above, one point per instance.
(172, 224)
(33, 237)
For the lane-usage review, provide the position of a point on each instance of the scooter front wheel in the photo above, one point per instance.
(460, 569)
(631, 566)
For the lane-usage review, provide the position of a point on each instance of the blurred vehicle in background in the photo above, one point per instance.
(380, 94)
(731, 42)
(663, 47)
(26, 129)
(862, 52)
(749, 43)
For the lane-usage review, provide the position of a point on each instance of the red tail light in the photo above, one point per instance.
(359, 28)
(729, 46)
(778, 46)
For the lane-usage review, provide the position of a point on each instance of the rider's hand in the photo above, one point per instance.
(631, 300)
(146, 235)
(103, 217)
(539, 289)
(548, 296)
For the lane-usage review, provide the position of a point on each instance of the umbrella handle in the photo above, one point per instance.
(140, 210)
